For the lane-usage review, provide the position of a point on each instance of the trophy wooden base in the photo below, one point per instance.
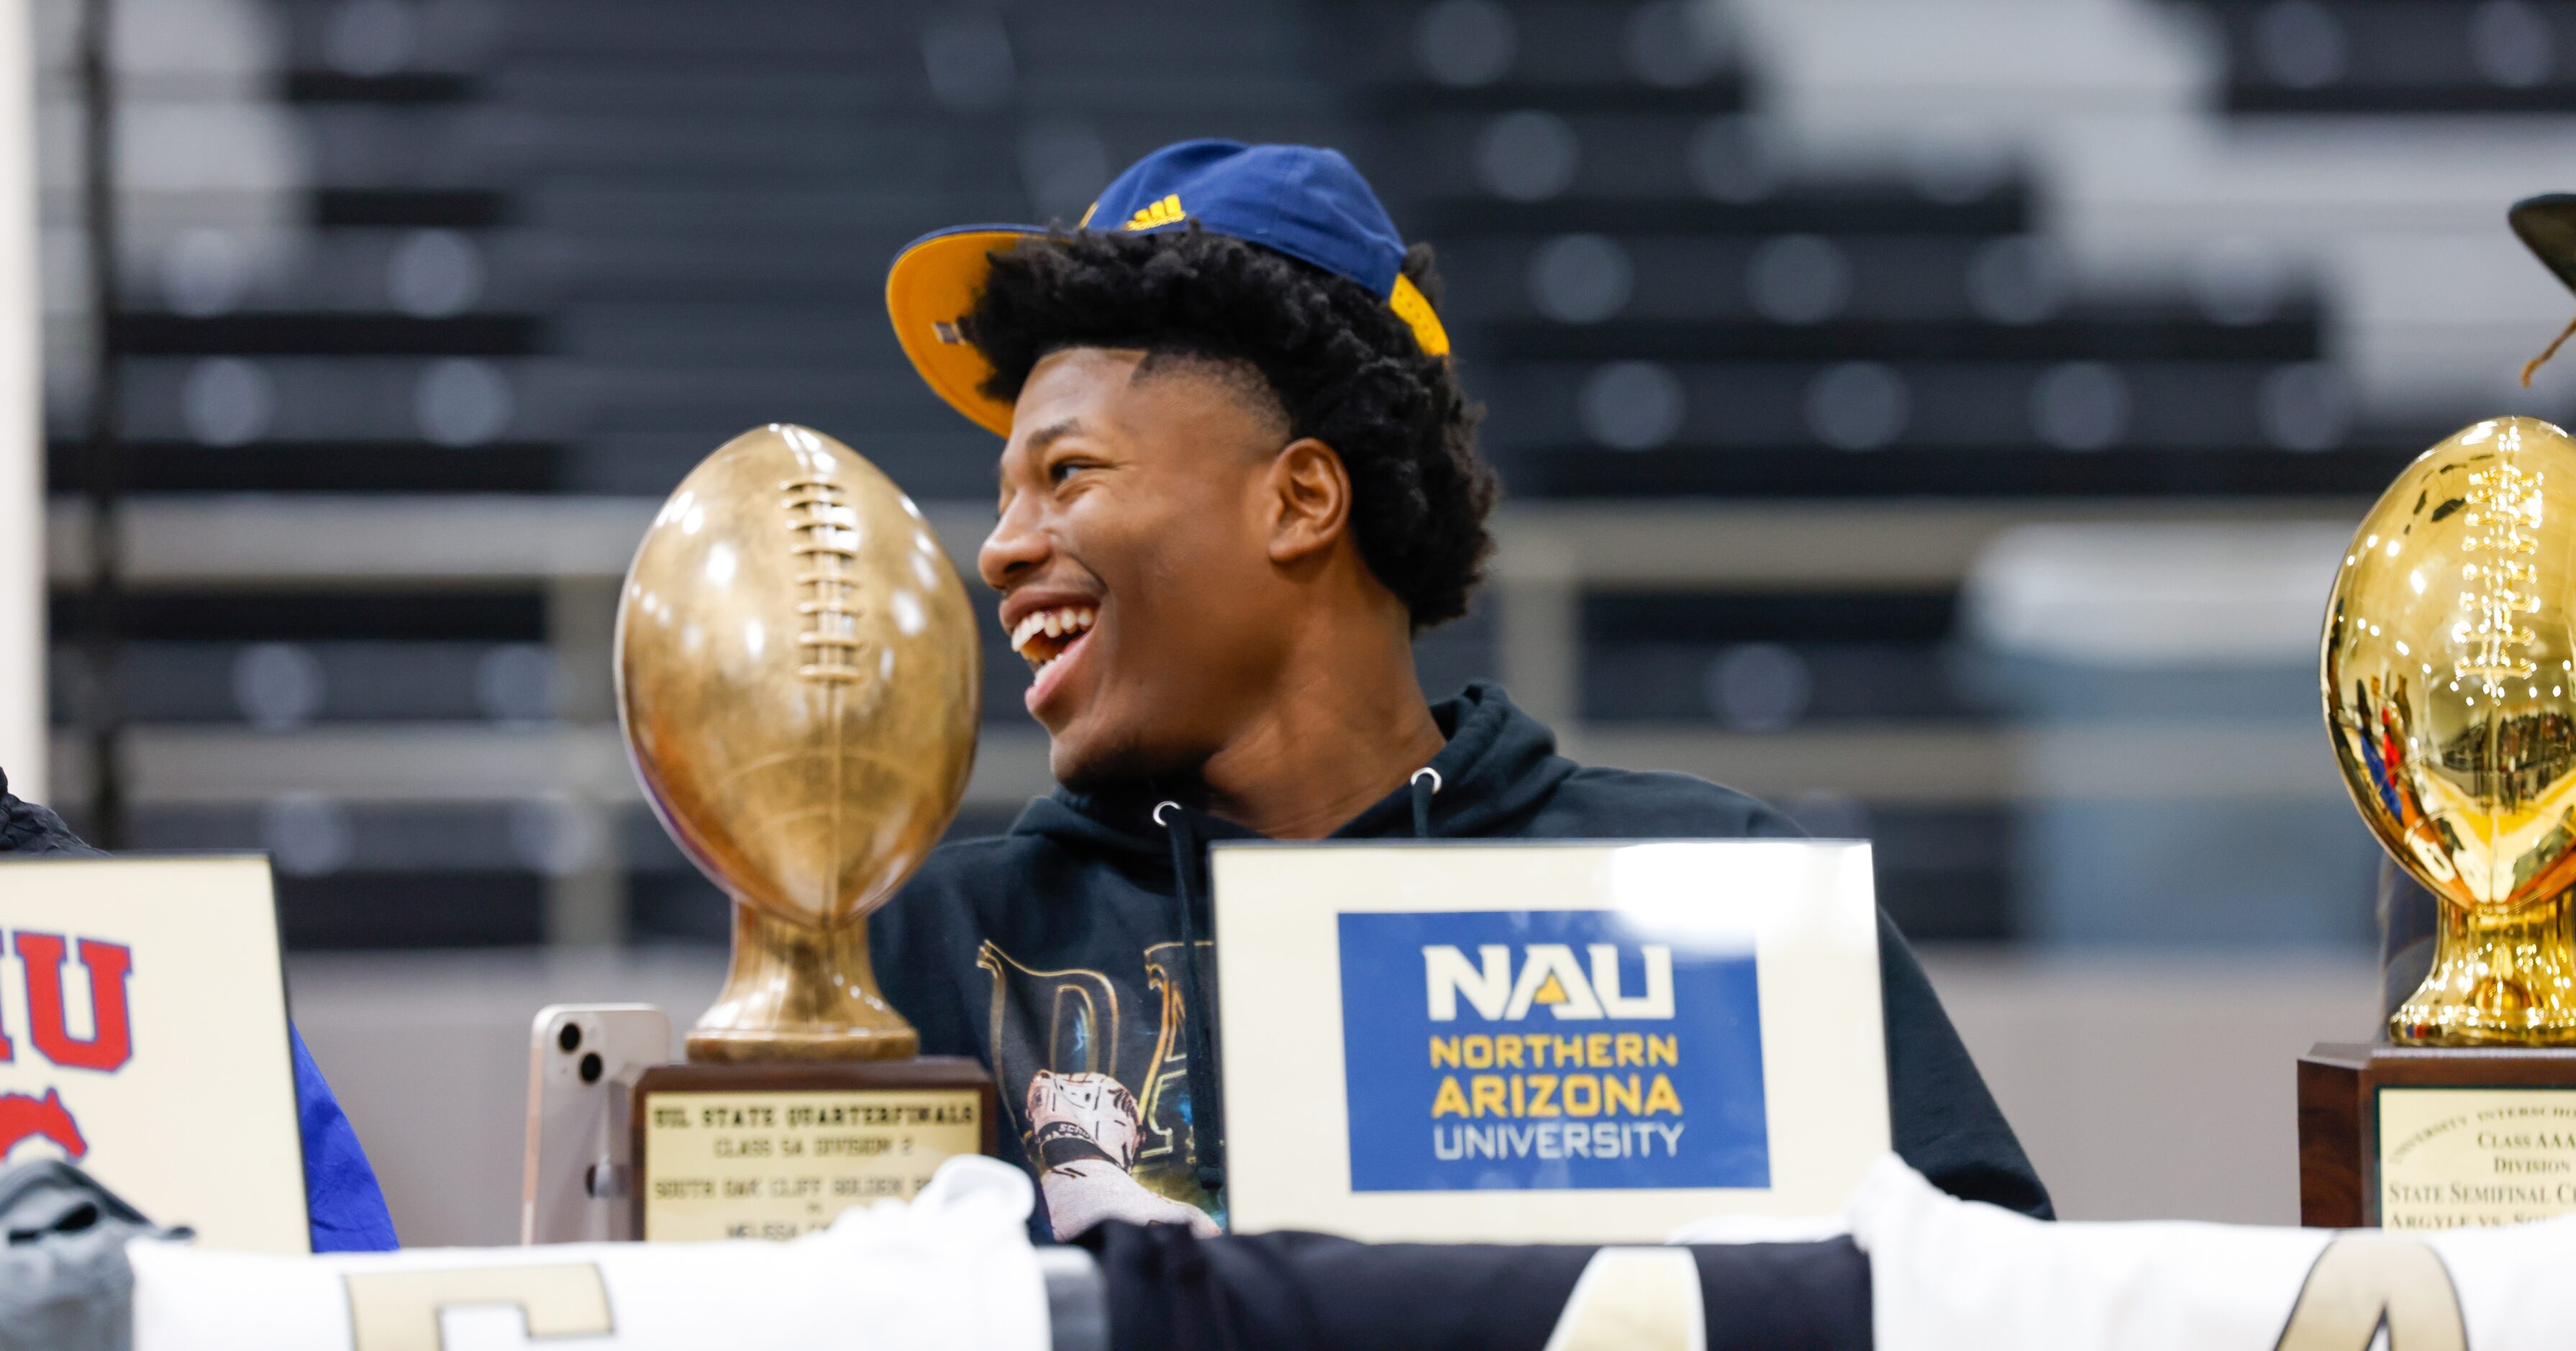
(2435, 1137)
(771, 1151)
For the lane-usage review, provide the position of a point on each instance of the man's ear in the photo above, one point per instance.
(1310, 500)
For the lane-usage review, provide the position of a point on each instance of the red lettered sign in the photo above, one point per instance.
(143, 1036)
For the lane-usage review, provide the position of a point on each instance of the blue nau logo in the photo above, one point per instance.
(1546, 1049)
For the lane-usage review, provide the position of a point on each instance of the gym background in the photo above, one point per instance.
(1940, 417)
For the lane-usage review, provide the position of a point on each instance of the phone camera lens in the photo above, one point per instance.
(591, 1066)
(569, 1039)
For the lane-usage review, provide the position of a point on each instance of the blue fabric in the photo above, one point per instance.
(341, 1198)
(1302, 200)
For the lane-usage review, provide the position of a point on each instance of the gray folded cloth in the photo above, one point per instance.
(64, 1282)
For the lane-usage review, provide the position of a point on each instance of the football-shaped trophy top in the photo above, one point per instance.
(797, 677)
(2449, 675)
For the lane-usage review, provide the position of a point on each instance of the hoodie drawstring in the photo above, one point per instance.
(1207, 1108)
(1426, 781)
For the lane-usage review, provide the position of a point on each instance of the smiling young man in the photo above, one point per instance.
(1239, 477)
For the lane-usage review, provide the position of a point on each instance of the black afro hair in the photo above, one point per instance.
(1345, 368)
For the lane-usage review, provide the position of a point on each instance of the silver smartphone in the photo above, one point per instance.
(583, 1060)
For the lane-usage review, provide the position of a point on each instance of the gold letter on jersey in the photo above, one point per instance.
(2364, 1281)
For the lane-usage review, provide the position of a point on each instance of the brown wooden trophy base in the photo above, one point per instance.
(2435, 1137)
(775, 1150)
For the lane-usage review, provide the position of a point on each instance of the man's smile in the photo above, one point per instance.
(1048, 636)
(1043, 636)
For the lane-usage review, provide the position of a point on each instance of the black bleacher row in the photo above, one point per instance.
(569, 248)
(2396, 56)
(1650, 307)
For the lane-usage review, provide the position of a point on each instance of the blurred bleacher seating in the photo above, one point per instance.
(2398, 56)
(482, 281)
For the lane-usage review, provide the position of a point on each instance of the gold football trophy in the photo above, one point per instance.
(797, 676)
(2450, 686)
(2449, 675)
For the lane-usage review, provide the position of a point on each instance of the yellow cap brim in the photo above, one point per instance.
(933, 284)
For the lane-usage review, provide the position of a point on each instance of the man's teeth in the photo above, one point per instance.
(1057, 623)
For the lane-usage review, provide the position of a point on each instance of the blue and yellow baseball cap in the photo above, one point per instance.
(1305, 202)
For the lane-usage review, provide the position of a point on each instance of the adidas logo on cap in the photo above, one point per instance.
(1162, 211)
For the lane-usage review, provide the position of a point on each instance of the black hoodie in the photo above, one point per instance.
(1050, 955)
(30, 828)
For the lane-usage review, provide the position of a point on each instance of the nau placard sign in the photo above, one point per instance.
(1545, 1042)
(143, 1037)
(1547, 1049)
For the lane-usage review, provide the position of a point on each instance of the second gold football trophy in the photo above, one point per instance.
(2449, 674)
(2450, 686)
(797, 677)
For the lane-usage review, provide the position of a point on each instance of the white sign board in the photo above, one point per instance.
(1546, 1042)
(143, 1036)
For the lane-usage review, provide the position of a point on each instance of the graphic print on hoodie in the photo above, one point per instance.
(1051, 955)
(1095, 1073)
